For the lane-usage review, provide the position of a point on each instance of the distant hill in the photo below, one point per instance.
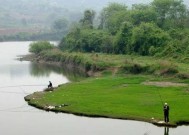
(42, 13)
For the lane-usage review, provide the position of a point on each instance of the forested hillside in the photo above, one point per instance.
(159, 28)
(42, 13)
(48, 18)
(42, 19)
(30, 13)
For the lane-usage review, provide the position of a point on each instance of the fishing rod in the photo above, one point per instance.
(17, 86)
(18, 107)
(160, 96)
(12, 111)
(24, 106)
(21, 86)
(12, 92)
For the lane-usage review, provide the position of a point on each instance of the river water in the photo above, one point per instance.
(19, 78)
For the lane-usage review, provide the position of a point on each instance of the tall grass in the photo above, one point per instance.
(125, 63)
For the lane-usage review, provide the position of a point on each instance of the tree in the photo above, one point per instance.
(179, 46)
(112, 17)
(170, 13)
(87, 21)
(61, 24)
(87, 40)
(122, 40)
(107, 44)
(142, 13)
(146, 35)
(70, 41)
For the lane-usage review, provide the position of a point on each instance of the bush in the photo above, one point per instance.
(169, 71)
(165, 67)
(183, 75)
(135, 68)
(37, 47)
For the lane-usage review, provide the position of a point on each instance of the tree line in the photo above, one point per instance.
(160, 28)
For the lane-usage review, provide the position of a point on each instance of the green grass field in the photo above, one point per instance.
(119, 97)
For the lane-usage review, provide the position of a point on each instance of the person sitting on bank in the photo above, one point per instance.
(50, 85)
(166, 112)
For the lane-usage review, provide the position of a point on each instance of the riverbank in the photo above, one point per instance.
(120, 97)
(95, 64)
(112, 93)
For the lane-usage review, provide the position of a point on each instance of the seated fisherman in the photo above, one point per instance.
(50, 85)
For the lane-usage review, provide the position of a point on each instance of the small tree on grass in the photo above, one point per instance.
(37, 47)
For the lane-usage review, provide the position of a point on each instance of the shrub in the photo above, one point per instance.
(135, 68)
(169, 71)
(37, 47)
(165, 67)
(183, 75)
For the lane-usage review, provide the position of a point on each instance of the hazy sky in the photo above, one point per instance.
(99, 4)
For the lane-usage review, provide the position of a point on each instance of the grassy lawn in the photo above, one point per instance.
(119, 97)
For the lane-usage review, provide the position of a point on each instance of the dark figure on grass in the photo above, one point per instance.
(166, 112)
(50, 85)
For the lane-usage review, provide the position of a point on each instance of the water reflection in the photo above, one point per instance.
(41, 70)
(166, 131)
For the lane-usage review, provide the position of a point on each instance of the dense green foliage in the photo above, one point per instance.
(157, 29)
(87, 40)
(37, 47)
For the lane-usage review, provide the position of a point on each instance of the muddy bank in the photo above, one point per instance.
(65, 65)
(165, 84)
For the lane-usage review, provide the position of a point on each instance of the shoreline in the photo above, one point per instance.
(154, 122)
(37, 59)
(70, 65)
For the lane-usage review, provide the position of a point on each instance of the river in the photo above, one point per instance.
(20, 78)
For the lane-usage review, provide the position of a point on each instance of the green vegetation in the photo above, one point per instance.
(157, 29)
(118, 97)
(121, 63)
(115, 93)
(126, 41)
(37, 47)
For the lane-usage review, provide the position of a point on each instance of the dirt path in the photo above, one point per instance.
(165, 84)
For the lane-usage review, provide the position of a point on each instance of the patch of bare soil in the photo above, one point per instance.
(165, 84)
(35, 95)
(28, 57)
